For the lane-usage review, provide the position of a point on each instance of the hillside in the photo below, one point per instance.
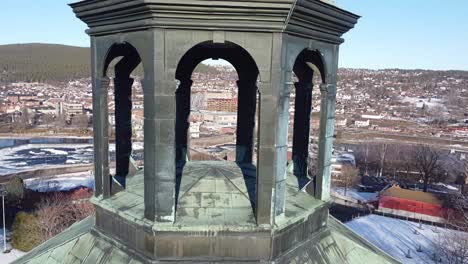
(50, 62)
(43, 62)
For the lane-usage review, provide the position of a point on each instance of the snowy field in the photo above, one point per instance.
(353, 194)
(65, 182)
(8, 257)
(396, 236)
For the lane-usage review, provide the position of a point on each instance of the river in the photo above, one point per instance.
(20, 154)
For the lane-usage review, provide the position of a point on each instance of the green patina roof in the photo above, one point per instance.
(336, 244)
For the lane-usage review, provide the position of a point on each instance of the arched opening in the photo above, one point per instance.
(125, 109)
(238, 112)
(213, 112)
(304, 119)
(247, 73)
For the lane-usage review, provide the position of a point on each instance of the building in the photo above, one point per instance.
(412, 204)
(72, 109)
(46, 110)
(222, 104)
(220, 118)
(16, 98)
(361, 123)
(188, 211)
(194, 130)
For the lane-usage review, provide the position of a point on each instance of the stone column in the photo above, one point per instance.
(272, 138)
(266, 165)
(303, 107)
(123, 124)
(246, 107)
(101, 137)
(183, 107)
(282, 146)
(327, 126)
(160, 168)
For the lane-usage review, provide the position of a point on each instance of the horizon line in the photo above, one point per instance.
(340, 67)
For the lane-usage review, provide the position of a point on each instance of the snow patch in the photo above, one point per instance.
(396, 236)
(55, 151)
(364, 197)
(61, 183)
(13, 255)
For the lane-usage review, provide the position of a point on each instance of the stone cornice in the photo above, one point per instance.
(306, 18)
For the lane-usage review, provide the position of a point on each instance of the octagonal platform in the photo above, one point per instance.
(214, 222)
(213, 193)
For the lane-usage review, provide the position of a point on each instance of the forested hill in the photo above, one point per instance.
(43, 62)
(51, 62)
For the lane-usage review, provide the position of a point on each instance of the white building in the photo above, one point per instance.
(194, 130)
(222, 118)
(72, 109)
(374, 117)
(362, 123)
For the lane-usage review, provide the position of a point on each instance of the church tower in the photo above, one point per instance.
(254, 210)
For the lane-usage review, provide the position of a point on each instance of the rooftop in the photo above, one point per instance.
(307, 18)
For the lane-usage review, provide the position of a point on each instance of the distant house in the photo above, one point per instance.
(375, 117)
(73, 109)
(412, 204)
(362, 123)
(342, 122)
(195, 130)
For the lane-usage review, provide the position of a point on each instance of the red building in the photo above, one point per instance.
(412, 204)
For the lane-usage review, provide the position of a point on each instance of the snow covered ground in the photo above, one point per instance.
(8, 257)
(363, 197)
(65, 182)
(396, 236)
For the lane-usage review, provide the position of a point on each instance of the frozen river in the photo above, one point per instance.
(25, 154)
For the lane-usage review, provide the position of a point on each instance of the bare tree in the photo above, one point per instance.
(57, 212)
(465, 174)
(48, 119)
(395, 159)
(349, 177)
(427, 161)
(452, 244)
(382, 150)
(53, 216)
(452, 247)
(80, 121)
(25, 116)
(362, 156)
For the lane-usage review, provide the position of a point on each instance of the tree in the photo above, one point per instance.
(15, 189)
(53, 215)
(80, 121)
(382, 149)
(25, 116)
(48, 119)
(452, 245)
(25, 235)
(460, 171)
(57, 212)
(349, 177)
(427, 161)
(362, 156)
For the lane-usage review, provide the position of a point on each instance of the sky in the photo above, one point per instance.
(409, 34)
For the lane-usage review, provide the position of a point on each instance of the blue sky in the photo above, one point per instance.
(426, 34)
